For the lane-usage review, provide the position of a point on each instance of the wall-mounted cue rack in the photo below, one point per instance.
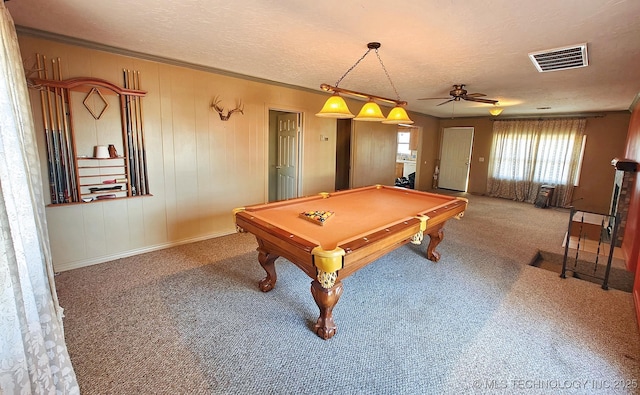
(76, 133)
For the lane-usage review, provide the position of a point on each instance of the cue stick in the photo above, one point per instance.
(134, 133)
(130, 147)
(56, 152)
(126, 139)
(143, 153)
(144, 149)
(136, 156)
(67, 138)
(61, 138)
(52, 187)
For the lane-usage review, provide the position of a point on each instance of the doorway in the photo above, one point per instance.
(343, 154)
(455, 158)
(285, 132)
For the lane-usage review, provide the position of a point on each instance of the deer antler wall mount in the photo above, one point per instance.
(220, 110)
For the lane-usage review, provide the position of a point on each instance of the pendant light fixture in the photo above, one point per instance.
(495, 111)
(336, 107)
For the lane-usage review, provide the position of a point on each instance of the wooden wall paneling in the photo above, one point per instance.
(254, 136)
(153, 212)
(168, 156)
(108, 67)
(374, 153)
(86, 127)
(258, 115)
(428, 150)
(219, 163)
(135, 222)
(250, 133)
(205, 183)
(220, 143)
(244, 159)
(93, 237)
(173, 132)
(109, 127)
(255, 128)
(318, 157)
(116, 226)
(185, 145)
(66, 234)
(413, 139)
(314, 152)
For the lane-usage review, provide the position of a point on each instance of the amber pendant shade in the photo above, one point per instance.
(335, 107)
(397, 116)
(370, 112)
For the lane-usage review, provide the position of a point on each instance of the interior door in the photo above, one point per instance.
(287, 156)
(455, 158)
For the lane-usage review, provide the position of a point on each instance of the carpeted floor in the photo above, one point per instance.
(191, 320)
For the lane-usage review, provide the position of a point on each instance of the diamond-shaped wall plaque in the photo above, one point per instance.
(93, 111)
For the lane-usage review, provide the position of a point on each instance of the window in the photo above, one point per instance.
(552, 158)
(403, 143)
(528, 154)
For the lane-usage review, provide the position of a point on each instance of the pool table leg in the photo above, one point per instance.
(326, 299)
(267, 261)
(435, 237)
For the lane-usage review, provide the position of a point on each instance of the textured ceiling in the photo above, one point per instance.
(427, 46)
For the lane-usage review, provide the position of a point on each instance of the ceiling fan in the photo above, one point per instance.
(458, 92)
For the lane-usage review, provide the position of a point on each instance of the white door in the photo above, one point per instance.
(455, 158)
(287, 182)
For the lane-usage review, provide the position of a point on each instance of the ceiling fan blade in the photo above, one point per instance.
(475, 94)
(445, 102)
(477, 99)
(433, 98)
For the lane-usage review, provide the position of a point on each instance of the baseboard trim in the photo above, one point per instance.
(106, 258)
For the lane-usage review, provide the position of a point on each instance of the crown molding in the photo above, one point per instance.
(27, 31)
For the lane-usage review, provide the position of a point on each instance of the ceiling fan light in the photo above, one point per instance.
(496, 111)
(397, 116)
(370, 112)
(335, 107)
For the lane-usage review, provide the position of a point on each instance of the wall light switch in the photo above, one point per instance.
(481, 159)
(324, 138)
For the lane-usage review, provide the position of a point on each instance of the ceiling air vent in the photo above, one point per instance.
(560, 58)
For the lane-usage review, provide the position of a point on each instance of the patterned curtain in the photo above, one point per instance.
(528, 154)
(33, 353)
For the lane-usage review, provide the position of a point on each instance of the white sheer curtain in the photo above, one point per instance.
(527, 154)
(33, 353)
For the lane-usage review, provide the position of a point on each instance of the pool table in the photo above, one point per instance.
(364, 224)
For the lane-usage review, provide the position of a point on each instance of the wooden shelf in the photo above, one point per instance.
(102, 184)
(99, 167)
(92, 158)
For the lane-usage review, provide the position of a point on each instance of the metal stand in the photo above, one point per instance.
(606, 234)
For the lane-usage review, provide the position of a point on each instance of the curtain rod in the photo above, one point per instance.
(550, 116)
